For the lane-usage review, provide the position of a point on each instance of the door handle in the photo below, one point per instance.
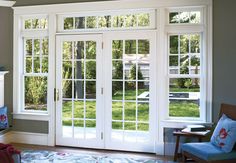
(56, 94)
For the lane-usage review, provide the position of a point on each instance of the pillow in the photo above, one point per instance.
(224, 135)
(3, 118)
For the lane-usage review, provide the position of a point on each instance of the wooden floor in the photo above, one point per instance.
(91, 151)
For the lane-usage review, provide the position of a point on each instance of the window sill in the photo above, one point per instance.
(31, 116)
(173, 123)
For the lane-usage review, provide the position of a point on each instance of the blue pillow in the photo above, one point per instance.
(224, 135)
(3, 118)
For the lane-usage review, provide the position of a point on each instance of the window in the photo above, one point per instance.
(35, 69)
(115, 20)
(185, 66)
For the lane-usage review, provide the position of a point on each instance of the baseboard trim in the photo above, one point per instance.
(25, 138)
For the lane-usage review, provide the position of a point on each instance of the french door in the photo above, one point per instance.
(106, 91)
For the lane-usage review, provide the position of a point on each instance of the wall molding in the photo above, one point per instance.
(25, 138)
(6, 3)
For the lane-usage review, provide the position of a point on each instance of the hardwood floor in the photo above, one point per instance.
(91, 151)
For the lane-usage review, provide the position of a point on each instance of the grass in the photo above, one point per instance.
(177, 109)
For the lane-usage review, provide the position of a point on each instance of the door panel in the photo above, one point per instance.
(78, 80)
(130, 106)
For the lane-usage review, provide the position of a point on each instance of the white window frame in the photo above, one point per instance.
(162, 28)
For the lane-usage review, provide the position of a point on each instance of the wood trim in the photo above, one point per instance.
(7, 3)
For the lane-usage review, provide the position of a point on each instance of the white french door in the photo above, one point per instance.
(107, 96)
(79, 80)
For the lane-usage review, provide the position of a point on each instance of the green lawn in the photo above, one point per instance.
(183, 108)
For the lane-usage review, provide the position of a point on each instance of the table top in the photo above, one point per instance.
(192, 134)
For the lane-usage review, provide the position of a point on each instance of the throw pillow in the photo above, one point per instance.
(224, 135)
(3, 118)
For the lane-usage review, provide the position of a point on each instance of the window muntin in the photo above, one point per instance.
(184, 75)
(109, 21)
(184, 17)
(35, 23)
(35, 73)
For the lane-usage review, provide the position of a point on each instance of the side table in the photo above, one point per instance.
(178, 134)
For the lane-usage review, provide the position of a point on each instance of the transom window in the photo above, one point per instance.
(116, 20)
(184, 17)
(35, 23)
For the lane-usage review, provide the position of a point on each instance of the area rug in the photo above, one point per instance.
(37, 156)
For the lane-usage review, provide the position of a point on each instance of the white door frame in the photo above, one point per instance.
(91, 143)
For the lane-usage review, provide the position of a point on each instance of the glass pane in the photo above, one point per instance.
(79, 111)
(118, 21)
(195, 64)
(79, 89)
(66, 109)
(35, 23)
(143, 47)
(130, 126)
(45, 47)
(143, 91)
(195, 17)
(143, 112)
(184, 97)
(174, 60)
(79, 50)
(184, 17)
(36, 64)
(143, 70)
(90, 89)
(79, 22)
(79, 129)
(67, 70)
(91, 109)
(117, 125)
(174, 45)
(130, 90)
(104, 21)
(130, 71)
(117, 49)
(117, 90)
(131, 20)
(174, 17)
(67, 129)
(90, 49)
(130, 47)
(117, 110)
(143, 20)
(130, 111)
(117, 70)
(79, 69)
(28, 64)
(44, 23)
(67, 89)
(184, 63)
(91, 21)
(28, 24)
(91, 70)
(36, 93)
(143, 127)
(37, 47)
(28, 46)
(195, 43)
(68, 23)
(67, 50)
(90, 123)
(44, 64)
(184, 44)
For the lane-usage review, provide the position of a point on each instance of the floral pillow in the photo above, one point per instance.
(224, 135)
(3, 118)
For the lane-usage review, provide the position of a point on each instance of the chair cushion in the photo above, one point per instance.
(224, 135)
(208, 151)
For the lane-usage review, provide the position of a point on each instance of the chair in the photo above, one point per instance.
(206, 152)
